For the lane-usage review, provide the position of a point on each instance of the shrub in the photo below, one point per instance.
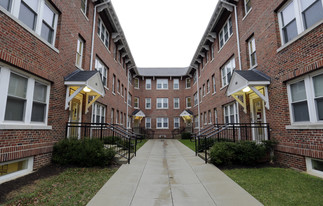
(86, 152)
(110, 140)
(186, 135)
(223, 153)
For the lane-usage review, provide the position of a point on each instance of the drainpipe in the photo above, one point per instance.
(127, 99)
(237, 29)
(198, 100)
(93, 29)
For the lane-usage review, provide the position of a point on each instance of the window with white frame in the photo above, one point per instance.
(194, 78)
(297, 16)
(252, 52)
(26, 98)
(162, 103)
(215, 116)
(162, 83)
(212, 51)
(230, 112)
(188, 83)
(314, 166)
(103, 33)
(188, 102)
(121, 118)
(247, 6)
(176, 122)
(225, 33)
(195, 99)
(136, 83)
(210, 117)
(99, 66)
(129, 99)
(117, 117)
(306, 99)
(118, 86)
(176, 84)
(205, 118)
(147, 103)
(148, 84)
(176, 103)
(201, 119)
(196, 121)
(39, 15)
(226, 72)
(136, 102)
(122, 90)
(113, 84)
(112, 116)
(84, 6)
(208, 88)
(204, 90)
(98, 113)
(213, 84)
(201, 94)
(148, 123)
(162, 123)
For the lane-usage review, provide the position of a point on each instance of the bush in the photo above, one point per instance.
(86, 152)
(110, 140)
(243, 153)
(186, 135)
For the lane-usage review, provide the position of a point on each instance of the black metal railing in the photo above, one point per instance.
(143, 132)
(121, 140)
(177, 131)
(232, 132)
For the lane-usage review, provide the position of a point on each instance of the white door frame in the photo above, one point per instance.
(78, 97)
(252, 97)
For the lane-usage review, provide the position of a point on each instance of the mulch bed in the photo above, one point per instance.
(261, 165)
(44, 172)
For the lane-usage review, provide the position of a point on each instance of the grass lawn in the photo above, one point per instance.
(188, 143)
(74, 186)
(140, 144)
(278, 186)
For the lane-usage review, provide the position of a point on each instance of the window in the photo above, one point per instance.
(136, 83)
(297, 16)
(230, 113)
(205, 118)
(204, 91)
(212, 52)
(176, 122)
(84, 6)
(201, 119)
(129, 99)
(226, 72)
(188, 83)
(252, 52)
(162, 83)
(247, 6)
(26, 98)
(176, 103)
(194, 77)
(117, 117)
(13, 169)
(162, 103)
(314, 166)
(196, 121)
(188, 102)
(98, 113)
(112, 116)
(306, 99)
(213, 84)
(147, 103)
(122, 89)
(104, 34)
(176, 84)
(201, 95)
(136, 102)
(208, 86)
(121, 118)
(99, 66)
(225, 33)
(210, 117)
(215, 116)
(118, 86)
(195, 99)
(148, 123)
(113, 84)
(162, 123)
(148, 84)
(38, 15)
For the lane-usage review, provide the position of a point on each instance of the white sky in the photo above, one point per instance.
(164, 33)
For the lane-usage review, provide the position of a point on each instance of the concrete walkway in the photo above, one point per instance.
(166, 172)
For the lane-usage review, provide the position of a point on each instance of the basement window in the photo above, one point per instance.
(314, 166)
(14, 169)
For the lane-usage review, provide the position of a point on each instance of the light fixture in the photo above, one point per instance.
(86, 89)
(247, 89)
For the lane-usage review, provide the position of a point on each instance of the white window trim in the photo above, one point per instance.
(309, 88)
(106, 70)
(14, 13)
(186, 102)
(178, 103)
(84, 12)
(162, 103)
(245, 8)
(14, 175)
(134, 103)
(80, 53)
(146, 121)
(179, 123)
(229, 35)
(175, 80)
(162, 88)
(310, 169)
(232, 62)
(147, 84)
(135, 84)
(101, 107)
(162, 127)
(26, 123)
(103, 40)
(186, 83)
(146, 103)
(253, 41)
(235, 112)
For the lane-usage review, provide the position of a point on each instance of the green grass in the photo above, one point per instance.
(74, 186)
(188, 143)
(278, 186)
(140, 144)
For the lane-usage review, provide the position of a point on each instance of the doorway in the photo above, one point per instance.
(75, 116)
(258, 116)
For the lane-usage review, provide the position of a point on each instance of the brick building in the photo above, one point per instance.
(258, 62)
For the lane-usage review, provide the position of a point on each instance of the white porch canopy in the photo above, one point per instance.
(247, 81)
(138, 114)
(187, 115)
(88, 83)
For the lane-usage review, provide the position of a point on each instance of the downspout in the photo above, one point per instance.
(127, 100)
(237, 29)
(93, 30)
(198, 100)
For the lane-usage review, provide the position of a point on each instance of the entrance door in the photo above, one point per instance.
(136, 125)
(258, 117)
(75, 117)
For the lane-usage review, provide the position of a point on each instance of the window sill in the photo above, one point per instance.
(305, 126)
(24, 127)
(213, 93)
(225, 43)
(162, 128)
(188, 88)
(299, 36)
(28, 29)
(114, 93)
(223, 87)
(80, 68)
(106, 88)
(245, 16)
(87, 19)
(253, 67)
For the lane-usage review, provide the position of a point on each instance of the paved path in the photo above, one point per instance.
(165, 172)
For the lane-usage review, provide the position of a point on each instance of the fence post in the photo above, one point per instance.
(84, 131)
(196, 149)
(234, 133)
(101, 132)
(66, 130)
(136, 145)
(205, 151)
(129, 143)
(268, 131)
